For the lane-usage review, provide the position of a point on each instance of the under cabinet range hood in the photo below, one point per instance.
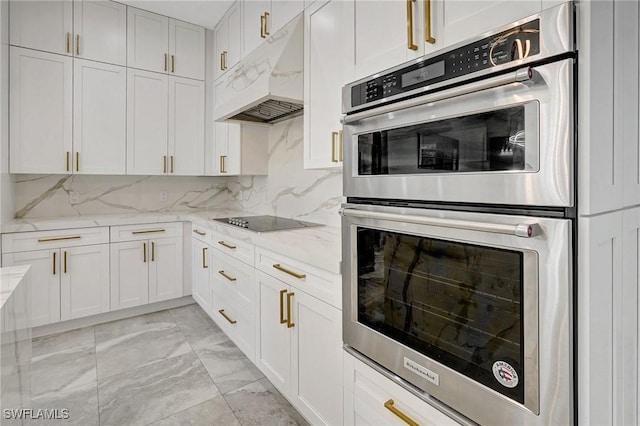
(267, 85)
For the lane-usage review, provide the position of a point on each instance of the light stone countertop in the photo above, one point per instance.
(317, 246)
(10, 279)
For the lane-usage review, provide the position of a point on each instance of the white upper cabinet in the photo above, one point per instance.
(186, 126)
(263, 18)
(186, 48)
(42, 25)
(147, 40)
(41, 112)
(328, 66)
(99, 118)
(282, 11)
(100, 29)
(239, 150)
(227, 36)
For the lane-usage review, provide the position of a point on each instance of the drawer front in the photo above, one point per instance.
(234, 247)
(201, 234)
(234, 318)
(321, 284)
(60, 238)
(145, 231)
(233, 275)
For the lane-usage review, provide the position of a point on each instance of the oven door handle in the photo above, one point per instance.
(521, 75)
(523, 230)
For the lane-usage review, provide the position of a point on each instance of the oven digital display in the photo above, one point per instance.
(423, 74)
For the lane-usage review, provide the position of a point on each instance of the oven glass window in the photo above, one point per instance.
(489, 141)
(459, 304)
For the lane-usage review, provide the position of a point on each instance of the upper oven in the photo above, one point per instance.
(490, 122)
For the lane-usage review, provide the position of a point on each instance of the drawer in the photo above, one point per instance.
(235, 319)
(237, 248)
(60, 238)
(145, 231)
(234, 275)
(201, 234)
(321, 284)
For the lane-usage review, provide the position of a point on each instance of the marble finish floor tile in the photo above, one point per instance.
(199, 330)
(62, 370)
(61, 341)
(135, 342)
(82, 403)
(151, 393)
(259, 403)
(216, 411)
(228, 366)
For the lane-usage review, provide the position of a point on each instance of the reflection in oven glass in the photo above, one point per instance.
(459, 304)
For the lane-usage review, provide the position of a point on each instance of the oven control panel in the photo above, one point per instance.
(514, 44)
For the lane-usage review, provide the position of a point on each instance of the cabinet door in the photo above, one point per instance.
(283, 11)
(84, 281)
(221, 42)
(234, 44)
(273, 344)
(328, 66)
(44, 281)
(147, 110)
(100, 31)
(186, 126)
(186, 49)
(99, 118)
(129, 274)
(233, 162)
(165, 269)
(42, 25)
(201, 279)
(221, 142)
(147, 40)
(316, 360)
(41, 87)
(254, 27)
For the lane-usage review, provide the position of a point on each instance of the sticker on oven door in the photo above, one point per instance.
(422, 371)
(505, 374)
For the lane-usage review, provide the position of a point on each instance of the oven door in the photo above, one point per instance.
(472, 308)
(503, 140)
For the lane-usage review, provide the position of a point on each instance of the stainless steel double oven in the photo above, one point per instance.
(459, 173)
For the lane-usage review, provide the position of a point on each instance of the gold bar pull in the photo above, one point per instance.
(227, 317)
(68, 161)
(171, 164)
(199, 232)
(77, 161)
(289, 323)
(64, 261)
(144, 252)
(229, 246)
(225, 59)
(282, 319)
(262, 19)
(150, 231)
(290, 272)
(410, 44)
(221, 61)
(389, 406)
(173, 63)
(68, 42)
(46, 240)
(54, 263)
(204, 258)
(164, 164)
(266, 23)
(224, 274)
(340, 147)
(333, 147)
(427, 22)
(222, 164)
(153, 252)
(165, 61)
(77, 44)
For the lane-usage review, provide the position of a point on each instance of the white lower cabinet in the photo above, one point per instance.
(165, 269)
(129, 274)
(201, 289)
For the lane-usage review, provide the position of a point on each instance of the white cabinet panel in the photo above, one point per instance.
(41, 111)
(186, 47)
(100, 104)
(42, 25)
(283, 11)
(129, 274)
(100, 31)
(253, 25)
(201, 278)
(227, 40)
(84, 281)
(147, 40)
(165, 269)
(186, 126)
(147, 112)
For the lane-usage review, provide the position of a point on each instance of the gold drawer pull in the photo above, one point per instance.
(65, 261)
(226, 317)
(410, 44)
(266, 23)
(290, 272)
(199, 232)
(229, 246)
(54, 263)
(289, 323)
(153, 251)
(282, 319)
(150, 231)
(224, 274)
(204, 258)
(144, 252)
(68, 42)
(389, 406)
(427, 22)
(46, 240)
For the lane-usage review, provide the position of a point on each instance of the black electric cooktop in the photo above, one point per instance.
(266, 223)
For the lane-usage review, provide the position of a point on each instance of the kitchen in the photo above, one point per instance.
(118, 197)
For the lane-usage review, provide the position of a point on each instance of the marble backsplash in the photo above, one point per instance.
(288, 190)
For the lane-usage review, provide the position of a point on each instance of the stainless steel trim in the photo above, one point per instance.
(523, 74)
(519, 230)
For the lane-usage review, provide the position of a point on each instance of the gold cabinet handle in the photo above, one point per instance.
(222, 61)
(173, 63)
(227, 317)
(171, 164)
(144, 252)
(340, 147)
(68, 42)
(199, 232)
(153, 252)
(77, 161)
(64, 261)
(410, 44)
(262, 19)
(229, 246)
(289, 323)
(46, 240)
(290, 272)
(334, 135)
(165, 61)
(204, 258)
(223, 164)
(389, 406)
(68, 161)
(224, 274)
(77, 44)
(148, 231)
(266, 23)
(282, 318)
(164, 164)
(54, 263)
(427, 22)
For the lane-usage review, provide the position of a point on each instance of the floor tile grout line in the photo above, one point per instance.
(95, 341)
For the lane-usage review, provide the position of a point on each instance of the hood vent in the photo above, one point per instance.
(267, 85)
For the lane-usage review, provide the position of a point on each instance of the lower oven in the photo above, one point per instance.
(471, 308)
